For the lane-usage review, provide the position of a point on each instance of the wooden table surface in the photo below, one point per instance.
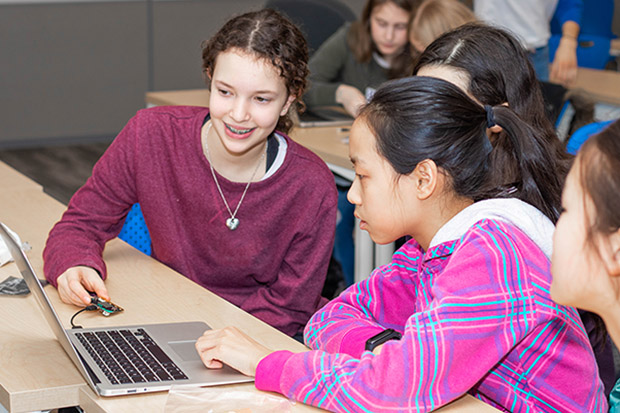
(37, 374)
(12, 179)
(601, 85)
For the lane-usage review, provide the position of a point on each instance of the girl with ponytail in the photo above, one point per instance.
(464, 306)
(492, 67)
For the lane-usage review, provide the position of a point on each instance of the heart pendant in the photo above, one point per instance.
(232, 223)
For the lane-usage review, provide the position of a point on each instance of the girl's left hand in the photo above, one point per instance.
(232, 347)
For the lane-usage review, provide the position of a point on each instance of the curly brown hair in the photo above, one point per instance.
(267, 35)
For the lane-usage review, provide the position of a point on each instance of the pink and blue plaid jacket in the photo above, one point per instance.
(476, 317)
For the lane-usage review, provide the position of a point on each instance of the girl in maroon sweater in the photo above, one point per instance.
(229, 200)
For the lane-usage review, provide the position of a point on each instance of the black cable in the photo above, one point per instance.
(87, 308)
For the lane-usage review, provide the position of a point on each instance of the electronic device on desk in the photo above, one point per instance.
(325, 116)
(129, 359)
(105, 307)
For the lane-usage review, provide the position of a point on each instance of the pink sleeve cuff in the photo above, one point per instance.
(354, 341)
(269, 371)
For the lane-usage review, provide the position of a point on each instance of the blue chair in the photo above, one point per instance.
(582, 134)
(135, 232)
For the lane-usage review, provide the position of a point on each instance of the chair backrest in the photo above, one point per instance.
(135, 232)
(317, 19)
(582, 134)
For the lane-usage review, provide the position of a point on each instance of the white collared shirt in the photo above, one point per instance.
(527, 19)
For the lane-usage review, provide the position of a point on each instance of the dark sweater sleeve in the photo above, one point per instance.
(96, 212)
(326, 66)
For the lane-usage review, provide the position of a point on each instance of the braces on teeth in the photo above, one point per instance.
(238, 131)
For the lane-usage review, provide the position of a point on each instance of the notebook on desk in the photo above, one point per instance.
(324, 116)
(132, 359)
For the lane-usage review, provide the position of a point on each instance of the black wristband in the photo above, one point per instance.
(382, 337)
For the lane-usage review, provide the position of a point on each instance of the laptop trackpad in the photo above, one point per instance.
(185, 349)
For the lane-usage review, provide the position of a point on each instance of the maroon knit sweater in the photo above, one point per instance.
(272, 266)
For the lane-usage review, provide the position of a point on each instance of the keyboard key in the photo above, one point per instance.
(125, 357)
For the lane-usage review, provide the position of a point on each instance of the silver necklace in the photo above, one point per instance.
(233, 222)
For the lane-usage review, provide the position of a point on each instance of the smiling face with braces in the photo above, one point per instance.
(248, 96)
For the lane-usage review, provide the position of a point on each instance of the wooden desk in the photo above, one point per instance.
(329, 142)
(614, 49)
(189, 97)
(12, 179)
(37, 374)
(602, 85)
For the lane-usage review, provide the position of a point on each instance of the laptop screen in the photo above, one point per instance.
(48, 310)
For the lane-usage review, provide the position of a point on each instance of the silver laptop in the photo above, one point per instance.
(324, 116)
(132, 359)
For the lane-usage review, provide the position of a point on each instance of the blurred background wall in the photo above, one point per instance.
(78, 70)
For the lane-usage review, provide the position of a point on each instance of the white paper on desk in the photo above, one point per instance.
(5, 255)
(218, 400)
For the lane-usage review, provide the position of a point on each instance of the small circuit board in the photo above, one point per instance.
(106, 308)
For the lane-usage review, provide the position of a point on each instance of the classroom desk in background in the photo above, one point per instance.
(13, 179)
(329, 143)
(614, 49)
(600, 85)
(37, 374)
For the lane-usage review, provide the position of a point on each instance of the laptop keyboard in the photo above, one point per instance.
(127, 356)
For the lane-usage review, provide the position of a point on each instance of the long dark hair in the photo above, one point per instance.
(420, 118)
(500, 73)
(360, 41)
(599, 166)
(268, 35)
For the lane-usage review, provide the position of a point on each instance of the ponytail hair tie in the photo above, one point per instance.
(490, 116)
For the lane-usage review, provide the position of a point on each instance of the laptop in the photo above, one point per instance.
(131, 359)
(324, 116)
